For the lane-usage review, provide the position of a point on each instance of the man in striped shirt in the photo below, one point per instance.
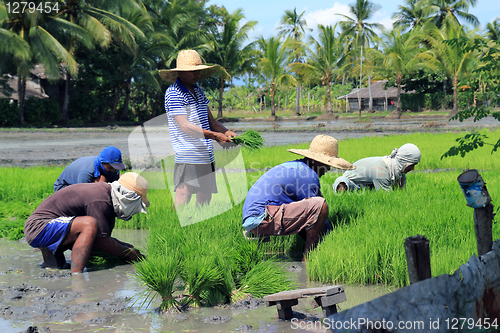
(192, 127)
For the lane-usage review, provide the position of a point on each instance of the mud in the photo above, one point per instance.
(36, 299)
(61, 146)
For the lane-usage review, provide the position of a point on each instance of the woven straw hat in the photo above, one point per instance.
(135, 182)
(325, 149)
(188, 60)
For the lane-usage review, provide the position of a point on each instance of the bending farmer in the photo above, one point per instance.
(82, 216)
(380, 172)
(90, 169)
(192, 127)
(287, 199)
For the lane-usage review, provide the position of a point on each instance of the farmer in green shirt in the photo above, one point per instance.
(380, 172)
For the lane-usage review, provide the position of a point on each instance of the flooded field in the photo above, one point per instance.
(26, 148)
(109, 300)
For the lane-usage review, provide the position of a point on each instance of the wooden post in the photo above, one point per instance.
(418, 258)
(477, 196)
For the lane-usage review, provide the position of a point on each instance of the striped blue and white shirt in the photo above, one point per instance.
(180, 101)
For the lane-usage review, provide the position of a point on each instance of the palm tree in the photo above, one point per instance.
(272, 65)
(101, 25)
(229, 52)
(493, 30)
(402, 57)
(35, 29)
(359, 32)
(453, 57)
(293, 25)
(323, 59)
(410, 16)
(440, 10)
(176, 23)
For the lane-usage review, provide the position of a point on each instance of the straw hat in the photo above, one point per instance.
(135, 182)
(188, 60)
(324, 149)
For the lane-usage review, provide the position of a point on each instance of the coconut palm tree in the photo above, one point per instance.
(440, 10)
(101, 25)
(450, 48)
(493, 30)
(410, 16)
(359, 31)
(230, 53)
(176, 23)
(401, 56)
(272, 65)
(324, 57)
(294, 25)
(38, 30)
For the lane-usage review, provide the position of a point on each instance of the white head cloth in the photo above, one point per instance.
(400, 158)
(126, 203)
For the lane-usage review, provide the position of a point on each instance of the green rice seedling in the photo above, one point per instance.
(263, 279)
(200, 274)
(158, 275)
(250, 139)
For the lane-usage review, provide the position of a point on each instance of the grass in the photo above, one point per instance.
(365, 247)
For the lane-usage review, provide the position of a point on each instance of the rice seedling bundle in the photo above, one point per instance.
(263, 279)
(200, 274)
(158, 275)
(250, 139)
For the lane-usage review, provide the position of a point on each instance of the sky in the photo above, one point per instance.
(268, 13)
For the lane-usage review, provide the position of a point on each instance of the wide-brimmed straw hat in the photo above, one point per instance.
(325, 149)
(135, 182)
(188, 60)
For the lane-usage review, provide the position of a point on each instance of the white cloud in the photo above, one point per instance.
(381, 16)
(327, 16)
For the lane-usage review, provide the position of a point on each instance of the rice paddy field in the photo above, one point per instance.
(208, 261)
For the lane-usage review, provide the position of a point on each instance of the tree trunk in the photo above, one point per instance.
(454, 111)
(297, 100)
(115, 103)
(21, 93)
(370, 101)
(221, 91)
(398, 106)
(156, 105)
(124, 115)
(328, 98)
(65, 108)
(359, 104)
(273, 111)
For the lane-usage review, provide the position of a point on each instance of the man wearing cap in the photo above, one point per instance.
(82, 216)
(380, 172)
(192, 127)
(90, 169)
(287, 199)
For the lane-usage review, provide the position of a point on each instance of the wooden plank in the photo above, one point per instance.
(333, 299)
(329, 310)
(286, 304)
(302, 293)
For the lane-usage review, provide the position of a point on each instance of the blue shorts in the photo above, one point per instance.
(54, 233)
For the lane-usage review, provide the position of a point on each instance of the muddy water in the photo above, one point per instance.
(26, 148)
(108, 300)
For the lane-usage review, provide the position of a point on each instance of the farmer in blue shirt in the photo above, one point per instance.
(287, 199)
(90, 169)
(192, 129)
